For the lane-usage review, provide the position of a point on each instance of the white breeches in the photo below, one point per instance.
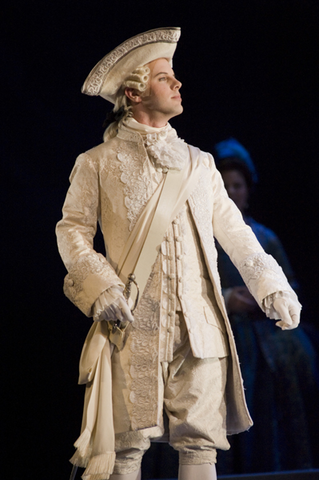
(193, 397)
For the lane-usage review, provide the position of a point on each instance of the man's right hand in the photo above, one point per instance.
(118, 310)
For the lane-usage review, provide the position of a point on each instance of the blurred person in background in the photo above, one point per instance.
(278, 367)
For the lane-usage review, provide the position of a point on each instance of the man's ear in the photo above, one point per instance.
(133, 95)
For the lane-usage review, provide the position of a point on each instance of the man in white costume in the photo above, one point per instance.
(159, 203)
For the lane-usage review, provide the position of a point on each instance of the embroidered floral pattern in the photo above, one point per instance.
(93, 263)
(87, 264)
(144, 348)
(161, 149)
(135, 176)
(255, 265)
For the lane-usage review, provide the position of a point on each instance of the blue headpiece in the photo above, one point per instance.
(232, 148)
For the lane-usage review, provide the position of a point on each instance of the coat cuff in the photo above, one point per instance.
(87, 279)
(263, 277)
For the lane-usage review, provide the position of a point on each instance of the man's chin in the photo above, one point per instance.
(177, 111)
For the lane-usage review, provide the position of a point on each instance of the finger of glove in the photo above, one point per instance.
(295, 316)
(113, 312)
(281, 308)
(283, 325)
(289, 314)
(125, 309)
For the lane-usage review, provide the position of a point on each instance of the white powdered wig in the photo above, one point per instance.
(138, 80)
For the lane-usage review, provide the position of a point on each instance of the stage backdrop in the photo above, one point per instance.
(249, 70)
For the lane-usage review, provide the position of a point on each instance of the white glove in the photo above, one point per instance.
(289, 312)
(118, 310)
(112, 306)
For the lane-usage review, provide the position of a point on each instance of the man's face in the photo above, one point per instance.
(162, 99)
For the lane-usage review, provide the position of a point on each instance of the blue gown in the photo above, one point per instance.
(279, 372)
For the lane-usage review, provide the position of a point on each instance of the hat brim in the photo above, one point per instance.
(109, 74)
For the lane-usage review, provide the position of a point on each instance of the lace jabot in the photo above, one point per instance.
(163, 146)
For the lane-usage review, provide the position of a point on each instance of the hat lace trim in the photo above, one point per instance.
(103, 67)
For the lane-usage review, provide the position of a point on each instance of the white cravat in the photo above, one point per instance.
(163, 146)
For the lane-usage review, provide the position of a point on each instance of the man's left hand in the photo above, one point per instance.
(289, 312)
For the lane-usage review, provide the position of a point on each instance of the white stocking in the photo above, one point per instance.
(196, 472)
(127, 476)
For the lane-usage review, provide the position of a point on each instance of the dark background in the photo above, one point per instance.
(249, 70)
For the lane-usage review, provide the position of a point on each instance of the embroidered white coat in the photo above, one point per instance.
(111, 184)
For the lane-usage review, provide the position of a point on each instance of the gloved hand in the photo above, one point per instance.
(118, 310)
(289, 312)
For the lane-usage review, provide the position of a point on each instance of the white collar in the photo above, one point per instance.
(143, 129)
(162, 144)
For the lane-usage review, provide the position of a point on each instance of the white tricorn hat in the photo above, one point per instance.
(109, 74)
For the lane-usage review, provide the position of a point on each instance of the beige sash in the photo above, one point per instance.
(143, 244)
